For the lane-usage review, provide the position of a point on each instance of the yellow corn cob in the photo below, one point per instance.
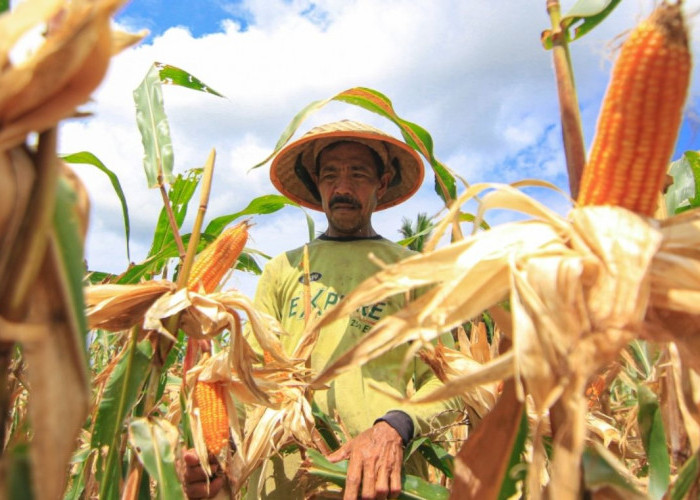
(209, 398)
(640, 117)
(213, 262)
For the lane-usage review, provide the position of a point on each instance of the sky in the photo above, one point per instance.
(472, 73)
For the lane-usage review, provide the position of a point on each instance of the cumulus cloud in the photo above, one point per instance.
(472, 73)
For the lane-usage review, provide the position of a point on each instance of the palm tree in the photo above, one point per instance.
(416, 234)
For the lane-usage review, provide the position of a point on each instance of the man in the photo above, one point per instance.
(348, 170)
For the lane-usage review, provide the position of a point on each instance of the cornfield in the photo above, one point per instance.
(577, 336)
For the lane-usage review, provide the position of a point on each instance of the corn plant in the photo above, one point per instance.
(584, 382)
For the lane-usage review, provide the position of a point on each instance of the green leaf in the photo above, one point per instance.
(67, 229)
(155, 131)
(684, 193)
(180, 195)
(261, 205)
(583, 16)
(414, 135)
(77, 480)
(4, 6)
(309, 224)
(413, 446)
(601, 468)
(121, 393)
(687, 477)
(172, 75)
(17, 482)
(246, 262)
(463, 217)
(85, 157)
(376, 102)
(437, 457)
(412, 487)
(589, 13)
(651, 428)
(514, 472)
(150, 439)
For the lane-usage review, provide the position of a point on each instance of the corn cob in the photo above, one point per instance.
(209, 398)
(213, 262)
(640, 117)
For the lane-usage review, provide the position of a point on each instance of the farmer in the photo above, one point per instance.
(348, 170)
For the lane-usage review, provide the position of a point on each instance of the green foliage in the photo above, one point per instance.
(412, 487)
(651, 427)
(180, 195)
(150, 441)
(601, 469)
(415, 235)
(517, 465)
(87, 158)
(684, 193)
(583, 16)
(68, 233)
(414, 135)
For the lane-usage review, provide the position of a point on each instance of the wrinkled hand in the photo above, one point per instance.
(195, 479)
(375, 457)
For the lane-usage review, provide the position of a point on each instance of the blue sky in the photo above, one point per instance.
(201, 17)
(472, 73)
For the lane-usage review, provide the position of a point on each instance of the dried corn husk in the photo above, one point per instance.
(580, 288)
(39, 309)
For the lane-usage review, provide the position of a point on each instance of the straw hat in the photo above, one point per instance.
(293, 167)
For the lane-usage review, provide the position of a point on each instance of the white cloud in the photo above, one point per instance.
(472, 73)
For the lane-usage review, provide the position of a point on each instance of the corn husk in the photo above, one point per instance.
(580, 288)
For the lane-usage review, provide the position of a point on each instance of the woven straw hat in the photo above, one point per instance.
(292, 168)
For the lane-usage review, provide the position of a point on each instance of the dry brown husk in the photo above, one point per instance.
(268, 406)
(38, 312)
(580, 288)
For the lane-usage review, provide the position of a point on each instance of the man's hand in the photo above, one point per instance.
(375, 457)
(195, 479)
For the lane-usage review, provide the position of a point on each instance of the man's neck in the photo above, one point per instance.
(325, 236)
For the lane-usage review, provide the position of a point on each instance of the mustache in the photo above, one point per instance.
(348, 200)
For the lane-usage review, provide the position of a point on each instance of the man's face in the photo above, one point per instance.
(350, 186)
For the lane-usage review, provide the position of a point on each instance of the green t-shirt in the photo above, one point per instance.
(336, 268)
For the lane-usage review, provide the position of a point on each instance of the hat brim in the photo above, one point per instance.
(291, 174)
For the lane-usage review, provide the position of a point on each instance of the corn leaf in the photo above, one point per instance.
(180, 195)
(261, 205)
(85, 157)
(18, 479)
(601, 469)
(412, 487)
(77, 481)
(436, 456)
(654, 440)
(583, 16)
(152, 441)
(172, 75)
(121, 393)
(414, 135)
(155, 130)
(68, 233)
(684, 193)
(246, 262)
(514, 472)
(687, 476)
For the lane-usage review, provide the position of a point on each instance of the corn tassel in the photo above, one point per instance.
(212, 264)
(640, 117)
(209, 398)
